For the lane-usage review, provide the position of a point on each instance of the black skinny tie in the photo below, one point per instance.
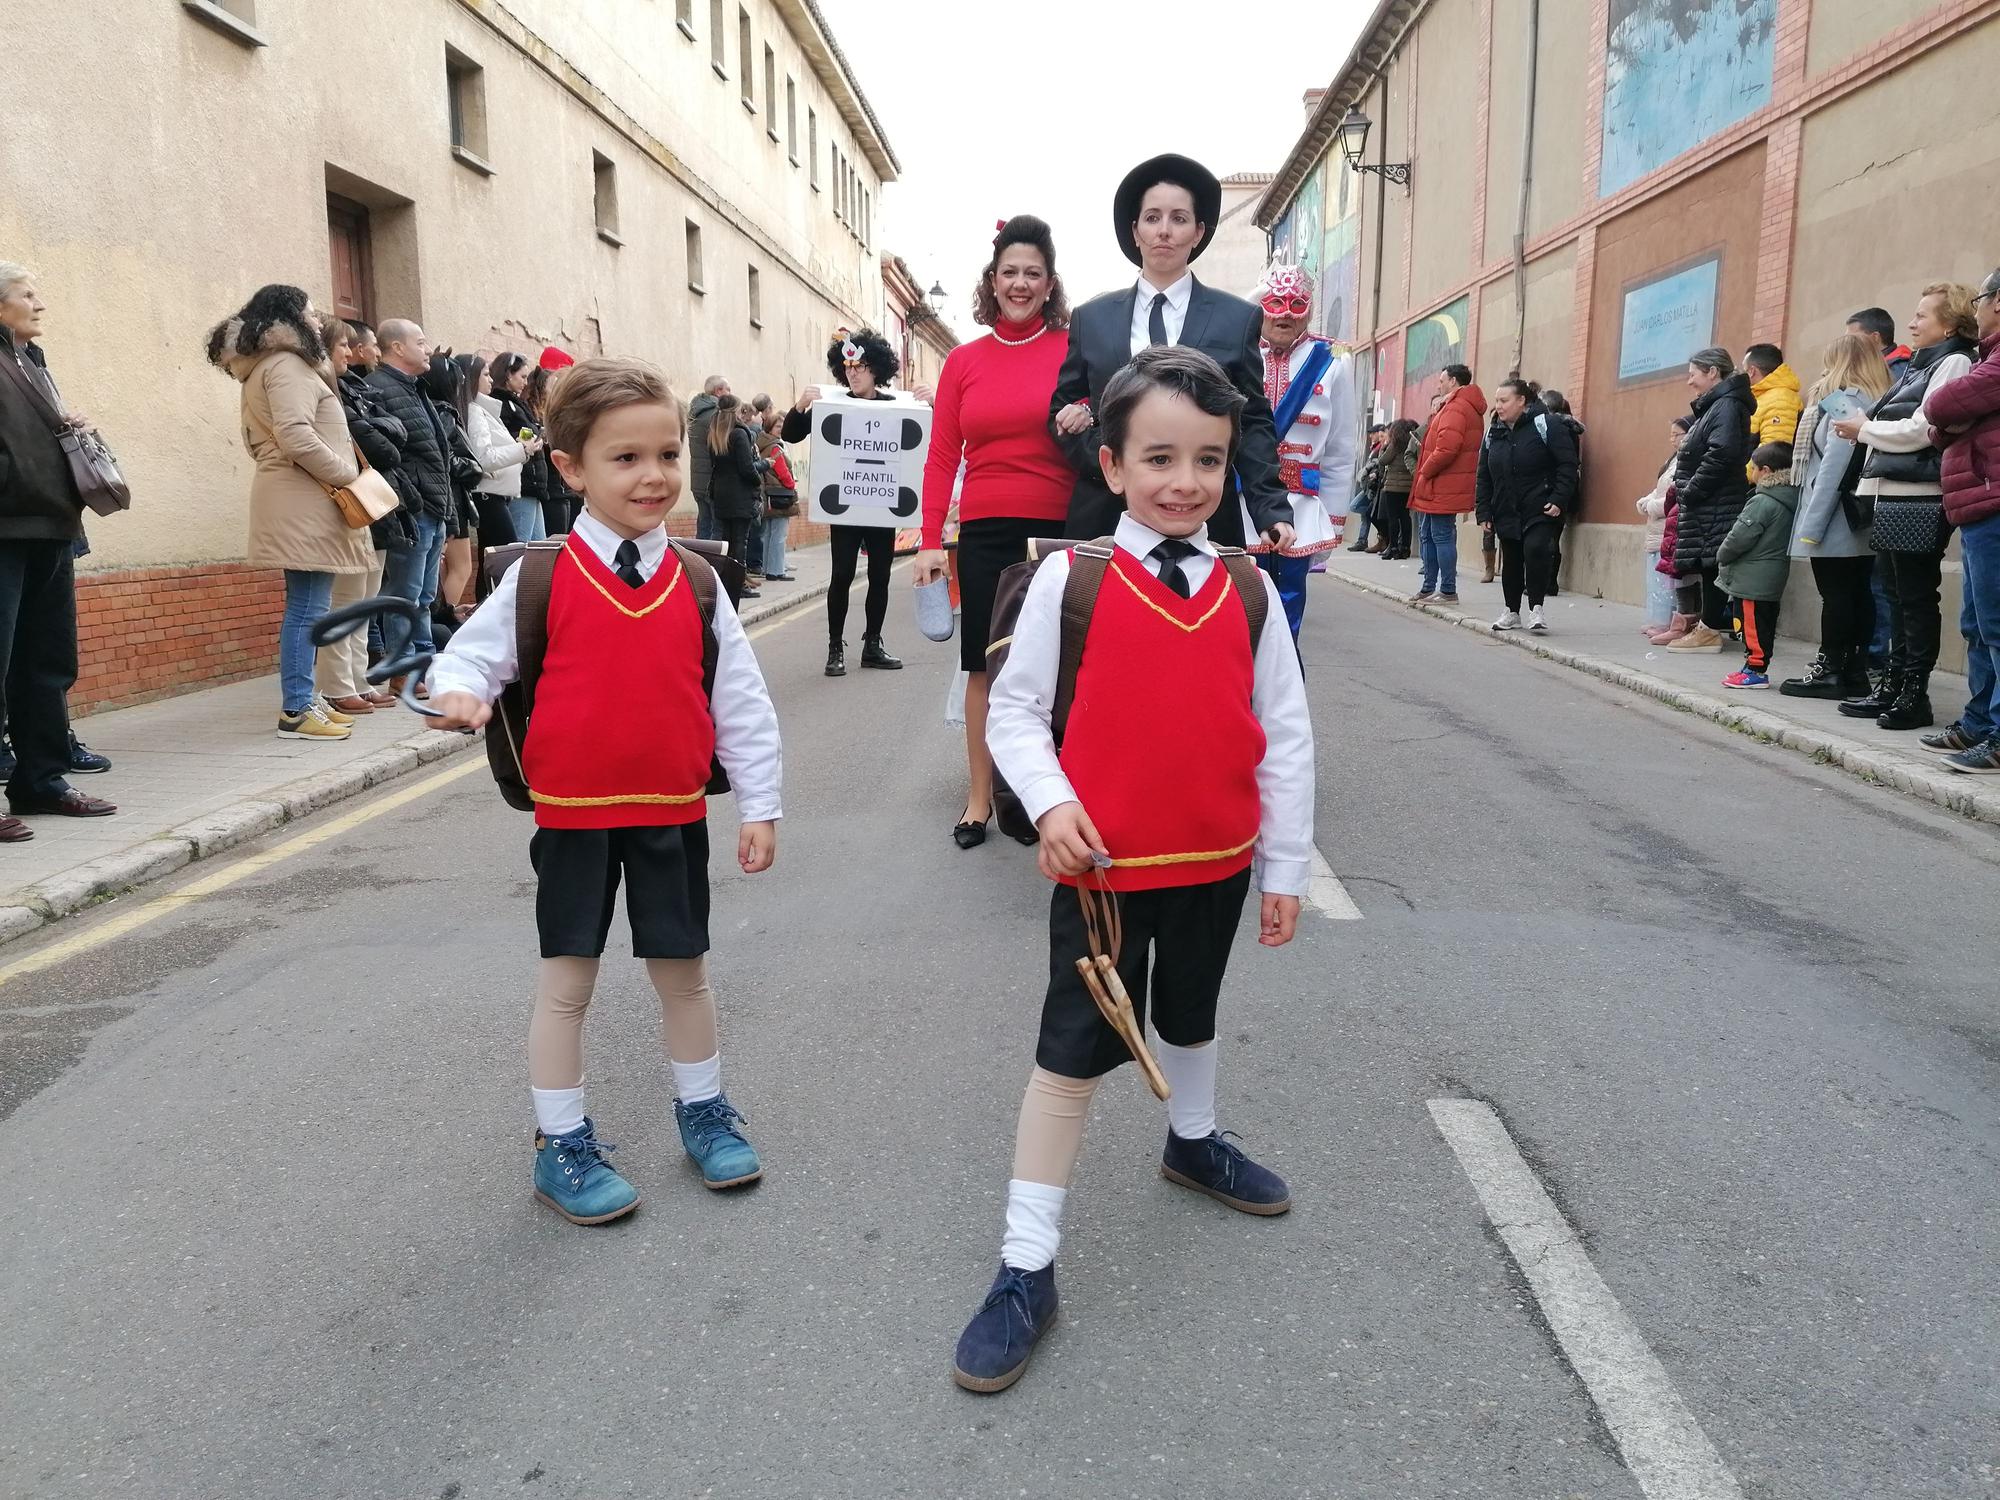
(626, 564)
(1169, 555)
(1156, 321)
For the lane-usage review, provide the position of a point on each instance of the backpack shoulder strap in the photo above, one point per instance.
(1249, 581)
(531, 617)
(1087, 563)
(702, 579)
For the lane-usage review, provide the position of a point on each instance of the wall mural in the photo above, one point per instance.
(1428, 347)
(1340, 253)
(1675, 73)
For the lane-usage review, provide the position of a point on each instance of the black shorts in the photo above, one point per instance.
(986, 549)
(665, 872)
(1186, 930)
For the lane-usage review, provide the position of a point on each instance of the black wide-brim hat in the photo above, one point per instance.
(1182, 171)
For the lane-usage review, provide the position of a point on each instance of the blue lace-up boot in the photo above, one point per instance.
(573, 1178)
(996, 1345)
(1217, 1166)
(710, 1132)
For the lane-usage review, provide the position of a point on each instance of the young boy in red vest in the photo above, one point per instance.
(618, 756)
(1186, 759)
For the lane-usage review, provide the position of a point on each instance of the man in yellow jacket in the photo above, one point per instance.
(1776, 388)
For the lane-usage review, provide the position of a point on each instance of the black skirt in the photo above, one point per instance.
(986, 549)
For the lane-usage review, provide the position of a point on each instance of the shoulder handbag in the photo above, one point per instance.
(99, 484)
(366, 499)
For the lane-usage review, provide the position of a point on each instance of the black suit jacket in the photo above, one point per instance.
(1225, 328)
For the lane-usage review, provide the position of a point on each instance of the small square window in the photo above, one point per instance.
(694, 257)
(770, 92)
(717, 46)
(235, 19)
(604, 196)
(465, 86)
(756, 300)
(684, 17)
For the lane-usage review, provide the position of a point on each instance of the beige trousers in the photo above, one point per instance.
(341, 670)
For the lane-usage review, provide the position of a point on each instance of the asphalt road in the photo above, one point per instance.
(271, 1233)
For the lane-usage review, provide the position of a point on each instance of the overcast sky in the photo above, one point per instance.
(995, 110)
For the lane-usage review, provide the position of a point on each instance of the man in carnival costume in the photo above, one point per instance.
(1310, 386)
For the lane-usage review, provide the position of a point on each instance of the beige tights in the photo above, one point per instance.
(562, 995)
(1050, 1134)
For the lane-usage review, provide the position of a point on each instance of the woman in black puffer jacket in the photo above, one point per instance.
(1711, 485)
(1526, 487)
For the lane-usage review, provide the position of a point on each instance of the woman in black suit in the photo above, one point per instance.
(1165, 212)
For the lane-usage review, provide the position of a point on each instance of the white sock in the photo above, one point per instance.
(559, 1111)
(1191, 1075)
(694, 1082)
(1034, 1224)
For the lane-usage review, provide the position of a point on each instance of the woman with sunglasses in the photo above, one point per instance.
(1311, 390)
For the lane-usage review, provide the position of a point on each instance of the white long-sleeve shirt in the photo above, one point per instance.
(1173, 312)
(1022, 700)
(481, 660)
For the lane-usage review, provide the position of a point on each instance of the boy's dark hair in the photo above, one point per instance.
(1460, 373)
(1775, 456)
(876, 353)
(1177, 371)
(1875, 320)
(1765, 357)
(592, 387)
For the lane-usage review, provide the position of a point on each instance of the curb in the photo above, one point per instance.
(1960, 794)
(70, 891)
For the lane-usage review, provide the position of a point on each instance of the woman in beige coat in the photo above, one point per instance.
(297, 434)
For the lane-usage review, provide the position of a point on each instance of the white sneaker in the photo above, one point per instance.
(1509, 620)
(1536, 623)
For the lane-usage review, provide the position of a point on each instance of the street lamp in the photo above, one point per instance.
(1354, 141)
(935, 296)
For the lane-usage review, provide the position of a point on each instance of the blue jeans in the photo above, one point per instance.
(1364, 508)
(1437, 540)
(1878, 640)
(775, 528)
(413, 574)
(527, 518)
(753, 549)
(307, 597)
(705, 529)
(1289, 573)
(1979, 620)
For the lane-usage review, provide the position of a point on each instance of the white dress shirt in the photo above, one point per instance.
(1021, 701)
(1175, 312)
(481, 660)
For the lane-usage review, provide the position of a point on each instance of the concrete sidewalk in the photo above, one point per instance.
(1604, 639)
(204, 772)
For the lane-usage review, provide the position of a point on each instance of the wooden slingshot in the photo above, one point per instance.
(1105, 930)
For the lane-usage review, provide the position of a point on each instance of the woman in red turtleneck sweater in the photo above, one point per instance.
(992, 411)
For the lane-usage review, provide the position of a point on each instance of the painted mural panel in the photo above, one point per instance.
(1428, 347)
(1340, 253)
(1667, 318)
(1675, 73)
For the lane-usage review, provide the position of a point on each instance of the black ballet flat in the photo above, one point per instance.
(969, 835)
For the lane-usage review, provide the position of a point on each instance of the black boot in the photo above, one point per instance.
(1827, 677)
(836, 659)
(1912, 708)
(1888, 688)
(872, 655)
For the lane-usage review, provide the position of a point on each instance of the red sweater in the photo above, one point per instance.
(992, 409)
(620, 736)
(1173, 794)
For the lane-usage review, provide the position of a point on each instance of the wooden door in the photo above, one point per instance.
(353, 273)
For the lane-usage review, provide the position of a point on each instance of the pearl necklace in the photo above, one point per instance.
(1017, 343)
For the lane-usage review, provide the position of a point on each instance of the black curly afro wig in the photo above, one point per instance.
(876, 353)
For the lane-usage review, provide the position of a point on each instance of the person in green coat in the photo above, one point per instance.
(1754, 561)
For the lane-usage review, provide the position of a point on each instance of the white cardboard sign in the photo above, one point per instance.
(868, 461)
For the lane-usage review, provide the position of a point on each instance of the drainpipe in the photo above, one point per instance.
(1381, 226)
(1527, 182)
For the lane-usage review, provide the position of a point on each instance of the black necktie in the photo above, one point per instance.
(626, 564)
(1169, 555)
(1156, 321)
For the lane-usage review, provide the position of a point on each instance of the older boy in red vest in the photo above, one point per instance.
(618, 756)
(1187, 757)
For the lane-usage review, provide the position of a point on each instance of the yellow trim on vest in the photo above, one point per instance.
(650, 799)
(1168, 615)
(1150, 861)
(631, 614)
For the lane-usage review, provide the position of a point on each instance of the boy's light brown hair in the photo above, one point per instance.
(593, 387)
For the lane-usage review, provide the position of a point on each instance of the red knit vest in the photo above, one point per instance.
(1162, 746)
(620, 735)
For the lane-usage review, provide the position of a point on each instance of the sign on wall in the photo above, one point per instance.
(1666, 319)
(868, 461)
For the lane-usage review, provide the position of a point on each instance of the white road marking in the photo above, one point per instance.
(1660, 1440)
(1327, 895)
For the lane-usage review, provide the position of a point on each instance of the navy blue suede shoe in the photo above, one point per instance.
(573, 1178)
(996, 1344)
(1217, 1166)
